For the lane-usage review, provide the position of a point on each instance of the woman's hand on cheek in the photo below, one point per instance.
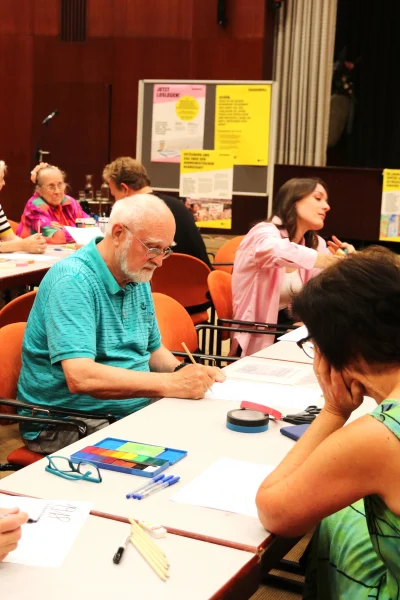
(341, 398)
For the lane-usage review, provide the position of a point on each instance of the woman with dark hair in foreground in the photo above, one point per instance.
(347, 479)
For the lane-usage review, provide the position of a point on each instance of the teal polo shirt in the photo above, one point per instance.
(80, 311)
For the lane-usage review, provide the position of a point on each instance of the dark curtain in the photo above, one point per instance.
(369, 30)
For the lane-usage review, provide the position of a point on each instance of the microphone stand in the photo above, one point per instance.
(39, 153)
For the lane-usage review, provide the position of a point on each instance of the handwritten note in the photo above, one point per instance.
(47, 542)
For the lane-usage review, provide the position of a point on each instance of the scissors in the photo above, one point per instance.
(306, 416)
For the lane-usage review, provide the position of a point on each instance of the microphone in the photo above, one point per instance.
(50, 117)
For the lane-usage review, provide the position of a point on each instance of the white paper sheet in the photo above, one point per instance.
(47, 542)
(229, 485)
(84, 235)
(281, 397)
(294, 336)
(272, 371)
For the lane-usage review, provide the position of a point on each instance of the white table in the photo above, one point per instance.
(288, 351)
(30, 274)
(196, 426)
(198, 570)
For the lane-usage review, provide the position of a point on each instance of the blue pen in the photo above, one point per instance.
(139, 496)
(161, 486)
(148, 484)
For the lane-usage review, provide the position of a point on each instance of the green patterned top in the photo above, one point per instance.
(355, 552)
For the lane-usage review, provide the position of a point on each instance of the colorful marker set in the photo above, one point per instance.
(155, 485)
(133, 458)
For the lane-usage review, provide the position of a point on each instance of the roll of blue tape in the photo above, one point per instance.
(247, 421)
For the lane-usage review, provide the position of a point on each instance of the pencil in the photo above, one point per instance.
(38, 228)
(159, 570)
(158, 559)
(147, 539)
(152, 547)
(190, 355)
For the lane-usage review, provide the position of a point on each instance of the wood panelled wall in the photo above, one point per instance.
(94, 84)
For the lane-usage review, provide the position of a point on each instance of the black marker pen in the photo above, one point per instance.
(121, 549)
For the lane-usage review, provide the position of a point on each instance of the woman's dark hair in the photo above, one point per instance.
(285, 205)
(352, 309)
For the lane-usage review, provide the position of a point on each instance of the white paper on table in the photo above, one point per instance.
(228, 484)
(269, 394)
(84, 235)
(294, 336)
(272, 371)
(47, 542)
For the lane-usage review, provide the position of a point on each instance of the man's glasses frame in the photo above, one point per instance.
(307, 346)
(73, 473)
(153, 252)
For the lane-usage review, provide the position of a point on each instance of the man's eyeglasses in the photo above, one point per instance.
(64, 467)
(307, 346)
(153, 252)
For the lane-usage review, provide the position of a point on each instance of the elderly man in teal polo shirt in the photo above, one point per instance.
(92, 343)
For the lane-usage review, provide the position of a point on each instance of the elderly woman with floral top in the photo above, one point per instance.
(50, 209)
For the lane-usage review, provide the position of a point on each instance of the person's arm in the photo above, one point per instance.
(85, 376)
(330, 466)
(9, 242)
(10, 530)
(163, 361)
(273, 251)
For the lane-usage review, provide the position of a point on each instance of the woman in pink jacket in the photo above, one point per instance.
(277, 257)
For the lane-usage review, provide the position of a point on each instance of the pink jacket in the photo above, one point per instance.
(257, 278)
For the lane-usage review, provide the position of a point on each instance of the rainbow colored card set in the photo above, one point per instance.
(133, 458)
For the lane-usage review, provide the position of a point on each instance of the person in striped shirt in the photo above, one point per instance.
(9, 242)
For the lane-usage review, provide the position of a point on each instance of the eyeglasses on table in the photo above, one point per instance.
(65, 468)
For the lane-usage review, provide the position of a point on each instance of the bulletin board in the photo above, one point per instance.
(248, 180)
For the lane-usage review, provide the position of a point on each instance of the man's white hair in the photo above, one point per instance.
(136, 211)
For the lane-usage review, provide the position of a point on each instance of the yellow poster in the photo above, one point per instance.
(206, 174)
(242, 120)
(390, 206)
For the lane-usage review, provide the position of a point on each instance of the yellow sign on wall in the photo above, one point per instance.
(242, 121)
(390, 206)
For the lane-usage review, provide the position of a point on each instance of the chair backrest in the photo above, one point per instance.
(11, 337)
(17, 310)
(220, 286)
(175, 324)
(184, 278)
(227, 253)
(14, 225)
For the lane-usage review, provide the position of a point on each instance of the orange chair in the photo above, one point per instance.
(184, 278)
(11, 337)
(220, 286)
(14, 225)
(225, 256)
(17, 311)
(175, 324)
(176, 327)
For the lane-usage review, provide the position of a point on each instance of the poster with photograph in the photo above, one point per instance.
(213, 213)
(206, 174)
(390, 206)
(178, 120)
